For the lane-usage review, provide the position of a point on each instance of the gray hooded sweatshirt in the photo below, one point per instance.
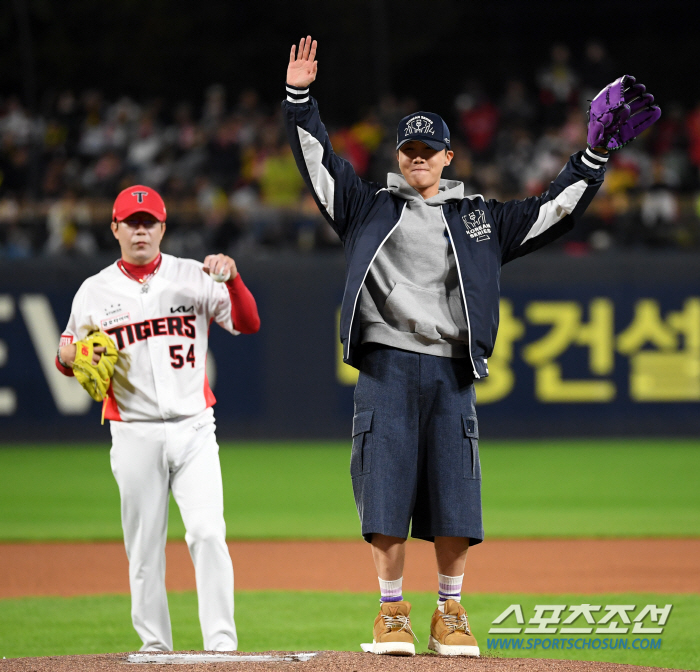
(411, 299)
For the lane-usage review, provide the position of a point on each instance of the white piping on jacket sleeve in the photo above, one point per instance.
(323, 183)
(556, 209)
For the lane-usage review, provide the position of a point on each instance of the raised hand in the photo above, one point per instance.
(302, 67)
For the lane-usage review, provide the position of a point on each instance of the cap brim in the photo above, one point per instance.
(121, 216)
(433, 144)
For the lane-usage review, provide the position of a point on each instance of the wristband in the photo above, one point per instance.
(61, 362)
(297, 95)
(593, 159)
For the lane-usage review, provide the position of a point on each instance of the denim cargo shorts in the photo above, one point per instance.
(415, 448)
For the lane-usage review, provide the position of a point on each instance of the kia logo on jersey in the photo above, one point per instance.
(139, 195)
(182, 309)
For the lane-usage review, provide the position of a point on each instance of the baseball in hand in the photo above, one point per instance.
(220, 277)
(219, 267)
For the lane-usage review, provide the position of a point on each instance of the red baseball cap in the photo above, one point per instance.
(138, 199)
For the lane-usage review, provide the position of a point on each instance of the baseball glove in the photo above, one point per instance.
(619, 113)
(95, 378)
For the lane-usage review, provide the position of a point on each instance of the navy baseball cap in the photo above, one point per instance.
(426, 127)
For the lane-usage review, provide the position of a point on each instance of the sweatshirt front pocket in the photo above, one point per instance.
(424, 312)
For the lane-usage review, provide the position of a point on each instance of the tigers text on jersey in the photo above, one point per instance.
(161, 330)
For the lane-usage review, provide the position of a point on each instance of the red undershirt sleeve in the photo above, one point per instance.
(244, 310)
(65, 370)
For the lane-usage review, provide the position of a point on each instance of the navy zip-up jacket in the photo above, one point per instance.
(484, 234)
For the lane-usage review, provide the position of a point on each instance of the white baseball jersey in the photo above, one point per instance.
(161, 330)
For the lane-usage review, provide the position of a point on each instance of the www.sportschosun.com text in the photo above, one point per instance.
(566, 643)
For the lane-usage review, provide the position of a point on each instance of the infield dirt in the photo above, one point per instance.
(338, 661)
(501, 566)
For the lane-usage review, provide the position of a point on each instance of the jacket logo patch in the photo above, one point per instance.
(476, 225)
(419, 124)
(182, 309)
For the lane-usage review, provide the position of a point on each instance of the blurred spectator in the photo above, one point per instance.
(596, 70)
(478, 118)
(549, 155)
(516, 106)
(67, 118)
(659, 208)
(18, 243)
(15, 169)
(224, 151)
(102, 178)
(670, 131)
(557, 83)
(250, 113)
(357, 143)
(14, 243)
(693, 130)
(462, 166)
(15, 124)
(515, 148)
(147, 143)
(574, 130)
(279, 179)
(214, 107)
(612, 222)
(281, 187)
(53, 183)
(183, 134)
(92, 135)
(67, 222)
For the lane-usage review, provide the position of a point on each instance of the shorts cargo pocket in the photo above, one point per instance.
(470, 448)
(361, 457)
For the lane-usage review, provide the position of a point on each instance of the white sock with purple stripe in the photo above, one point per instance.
(449, 588)
(391, 591)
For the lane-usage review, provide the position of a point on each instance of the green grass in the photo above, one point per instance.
(294, 490)
(306, 621)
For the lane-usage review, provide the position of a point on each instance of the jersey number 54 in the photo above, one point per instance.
(178, 361)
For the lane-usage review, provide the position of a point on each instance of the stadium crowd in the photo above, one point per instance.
(231, 183)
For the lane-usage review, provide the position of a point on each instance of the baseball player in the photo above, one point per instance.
(155, 310)
(419, 319)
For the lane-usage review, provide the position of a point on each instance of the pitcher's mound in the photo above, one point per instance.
(285, 661)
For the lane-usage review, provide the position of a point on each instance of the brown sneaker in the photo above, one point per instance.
(450, 634)
(392, 630)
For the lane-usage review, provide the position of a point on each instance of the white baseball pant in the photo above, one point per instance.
(148, 460)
